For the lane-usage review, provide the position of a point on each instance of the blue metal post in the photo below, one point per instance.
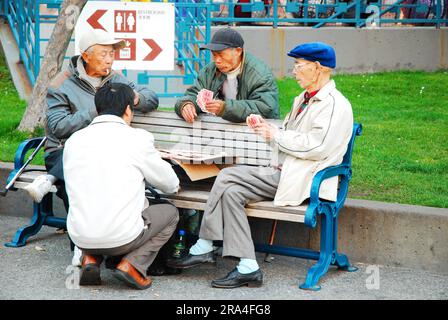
(305, 11)
(358, 13)
(438, 13)
(275, 14)
(20, 25)
(208, 32)
(231, 9)
(37, 40)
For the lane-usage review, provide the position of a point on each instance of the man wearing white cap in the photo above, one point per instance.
(71, 107)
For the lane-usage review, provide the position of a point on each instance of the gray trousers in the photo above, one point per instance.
(161, 221)
(224, 215)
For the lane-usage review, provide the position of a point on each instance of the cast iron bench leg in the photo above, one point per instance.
(325, 257)
(328, 254)
(35, 225)
(42, 215)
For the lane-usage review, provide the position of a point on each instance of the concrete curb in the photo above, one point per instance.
(369, 231)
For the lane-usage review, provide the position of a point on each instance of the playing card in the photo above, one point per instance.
(208, 95)
(203, 97)
(254, 119)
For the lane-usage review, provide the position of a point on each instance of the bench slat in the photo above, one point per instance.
(196, 199)
(215, 134)
(202, 196)
(245, 153)
(214, 147)
(179, 123)
(251, 212)
(213, 142)
(243, 156)
(202, 117)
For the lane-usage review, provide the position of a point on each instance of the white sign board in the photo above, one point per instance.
(148, 29)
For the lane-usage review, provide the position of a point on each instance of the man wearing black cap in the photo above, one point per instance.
(241, 84)
(315, 136)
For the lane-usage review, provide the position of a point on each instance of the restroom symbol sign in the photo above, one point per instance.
(148, 29)
(125, 21)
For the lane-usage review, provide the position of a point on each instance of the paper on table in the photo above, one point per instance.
(189, 156)
(193, 162)
(199, 171)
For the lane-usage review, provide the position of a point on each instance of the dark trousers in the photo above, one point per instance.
(54, 166)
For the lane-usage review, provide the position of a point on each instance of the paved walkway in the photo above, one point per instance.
(38, 271)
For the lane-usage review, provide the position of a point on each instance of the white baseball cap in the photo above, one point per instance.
(98, 36)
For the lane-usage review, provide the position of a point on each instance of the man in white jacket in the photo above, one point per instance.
(315, 135)
(106, 165)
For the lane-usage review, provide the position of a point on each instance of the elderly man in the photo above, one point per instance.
(106, 165)
(71, 107)
(315, 135)
(241, 83)
(70, 103)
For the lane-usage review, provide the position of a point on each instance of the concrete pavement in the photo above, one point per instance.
(38, 271)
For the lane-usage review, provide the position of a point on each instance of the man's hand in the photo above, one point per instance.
(215, 106)
(266, 130)
(189, 112)
(253, 119)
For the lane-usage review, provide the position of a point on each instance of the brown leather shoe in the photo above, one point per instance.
(126, 272)
(90, 271)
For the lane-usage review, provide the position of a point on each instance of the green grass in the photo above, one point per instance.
(11, 111)
(402, 155)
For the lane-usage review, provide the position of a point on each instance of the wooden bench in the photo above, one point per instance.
(214, 135)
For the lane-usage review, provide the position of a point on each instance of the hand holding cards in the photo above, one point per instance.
(253, 120)
(204, 96)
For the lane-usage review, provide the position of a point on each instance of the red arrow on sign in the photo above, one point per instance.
(155, 50)
(93, 20)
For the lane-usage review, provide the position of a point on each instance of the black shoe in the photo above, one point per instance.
(192, 260)
(112, 262)
(90, 271)
(235, 279)
(162, 271)
(90, 276)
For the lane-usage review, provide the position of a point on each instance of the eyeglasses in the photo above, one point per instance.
(298, 66)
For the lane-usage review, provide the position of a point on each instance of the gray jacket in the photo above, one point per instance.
(71, 105)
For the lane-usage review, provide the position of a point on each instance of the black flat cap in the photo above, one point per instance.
(223, 39)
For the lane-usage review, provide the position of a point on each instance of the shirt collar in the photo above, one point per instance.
(108, 118)
(234, 73)
(307, 96)
(325, 90)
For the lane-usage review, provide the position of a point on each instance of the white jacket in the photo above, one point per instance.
(105, 168)
(317, 139)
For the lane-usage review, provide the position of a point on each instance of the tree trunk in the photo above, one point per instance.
(51, 63)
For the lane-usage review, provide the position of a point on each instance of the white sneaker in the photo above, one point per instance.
(77, 254)
(39, 188)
